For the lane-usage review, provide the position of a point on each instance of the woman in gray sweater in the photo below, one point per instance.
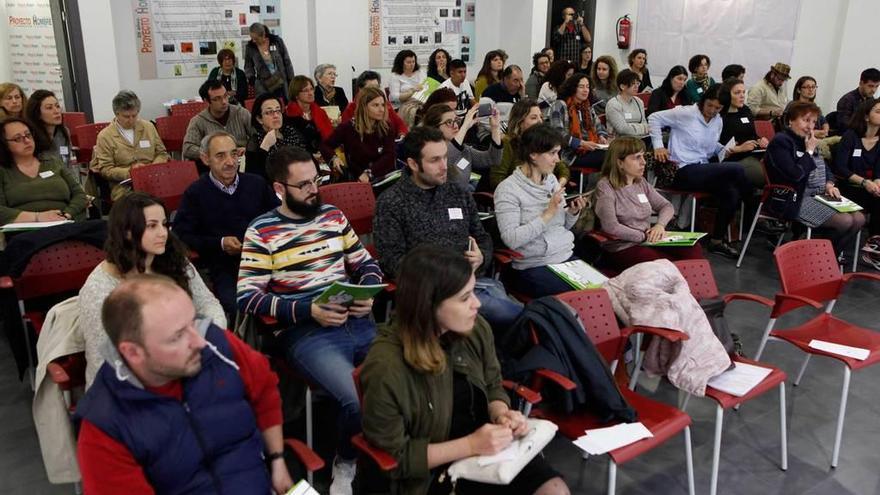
(532, 216)
(464, 158)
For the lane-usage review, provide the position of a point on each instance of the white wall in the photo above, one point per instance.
(5, 65)
(101, 53)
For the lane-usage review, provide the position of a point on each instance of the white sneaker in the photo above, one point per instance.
(343, 476)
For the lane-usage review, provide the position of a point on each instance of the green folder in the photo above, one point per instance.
(680, 239)
(578, 274)
(346, 294)
(842, 205)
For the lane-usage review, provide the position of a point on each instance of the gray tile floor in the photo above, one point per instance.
(750, 445)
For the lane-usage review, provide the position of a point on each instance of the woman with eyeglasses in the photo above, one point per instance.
(35, 187)
(272, 130)
(12, 100)
(233, 78)
(463, 158)
(805, 91)
(138, 241)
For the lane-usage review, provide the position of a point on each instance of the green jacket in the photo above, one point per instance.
(509, 162)
(404, 410)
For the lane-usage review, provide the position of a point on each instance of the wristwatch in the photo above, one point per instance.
(271, 456)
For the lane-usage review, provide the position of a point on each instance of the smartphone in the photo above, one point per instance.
(484, 110)
(572, 197)
(472, 245)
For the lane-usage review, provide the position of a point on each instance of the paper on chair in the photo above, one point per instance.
(22, 226)
(601, 440)
(740, 380)
(840, 349)
(507, 454)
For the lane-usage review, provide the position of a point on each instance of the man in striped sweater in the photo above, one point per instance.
(289, 256)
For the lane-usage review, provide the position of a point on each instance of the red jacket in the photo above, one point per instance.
(319, 116)
(395, 119)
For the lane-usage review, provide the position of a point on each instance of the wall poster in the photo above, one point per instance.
(421, 26)
(32, 53)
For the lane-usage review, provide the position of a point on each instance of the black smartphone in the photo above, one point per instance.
(484, 110)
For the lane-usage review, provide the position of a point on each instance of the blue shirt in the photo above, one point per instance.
(230, 189)
(691, 138)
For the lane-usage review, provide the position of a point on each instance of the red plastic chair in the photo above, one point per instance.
(356, 201)
(249, 104)
(72, 120)
(188, 110)
(167, 181)
(764, 129)
(645, 97)
(85, 137)
(761, 213)
(698, 274)
(172, 130)
(594, 309)
(810, 276)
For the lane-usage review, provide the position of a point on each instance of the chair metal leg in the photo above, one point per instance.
(801, 372)
(742, 252)
(830, 306)
(612, 476)
(580, 182)
(683, 399)
(689, 457)
(693, 213)
(764, 338)
(716, 449)
(309, 428)
(855, 264)
(783, 427)
(847, 373)
(634, 379)
(77, 488)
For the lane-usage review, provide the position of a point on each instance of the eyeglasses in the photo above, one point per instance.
(27, 136)
(451, 123)
(272, 111)
(306, 184)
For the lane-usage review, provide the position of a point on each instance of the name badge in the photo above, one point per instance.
(744, 120)
(799, 153)
(47, 174)
(455, 214)
(144, 143)
(577, 37)
(334, 244)
(699, 90)
(64, 150)
(857, 153)
(642, 198)
(463, 163)
(628, 115)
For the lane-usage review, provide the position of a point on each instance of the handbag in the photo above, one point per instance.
(525, 449)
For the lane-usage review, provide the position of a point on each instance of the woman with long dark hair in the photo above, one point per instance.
(407, 78)
(44, 112)
(440, 349)
(138, 241)
(671, 93)
(490, 72)
(858, 155)
(576, 121)
(438, 65)
(273, 129)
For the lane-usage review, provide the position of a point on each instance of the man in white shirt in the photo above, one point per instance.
(458, 82)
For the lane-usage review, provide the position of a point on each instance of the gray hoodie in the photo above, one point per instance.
(519, 203)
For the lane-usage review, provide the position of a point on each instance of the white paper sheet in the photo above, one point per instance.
(601, 440)
(740, 380)
(14, 227)
(840, 349)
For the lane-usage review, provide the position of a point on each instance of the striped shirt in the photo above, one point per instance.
(286, 262)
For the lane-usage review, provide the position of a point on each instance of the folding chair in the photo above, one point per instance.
(249, 104)
(189, 109)
(645, 97)
(810, 276)
(764, 129)
(593, 308)
(72, 120)
(172, 130)
(85, 137)
(167, 181)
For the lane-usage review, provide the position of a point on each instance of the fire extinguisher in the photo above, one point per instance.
(624, 26)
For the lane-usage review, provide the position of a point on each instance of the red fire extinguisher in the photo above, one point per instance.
(624, 26)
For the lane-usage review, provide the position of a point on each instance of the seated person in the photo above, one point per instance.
(558, 72)
(233, 78)
(693, 141)
(138, 241)
(43, 111)
(625, 202)
(847, 105)
(735, 71)
(625, 113)
(464, 158)
(700, 80)
(309, 118)
(638, 63)
(793, 160)
(439, 348)
(438, 69)
(13, 100)
(219, 116)
(35, 186)
(127, 142)
(216, 210)
(671, 93)
(425, 207)
(457, 82)
(540, 65)
(524, 114)
(368, 140)
(510, 89)
(738, 123)
(441, 95)
(272, 130)
(171, 378)
(603, 80)
(577, 123)
(406, 78)
(532, 216)
(292, 254)
(327, 94)
(373, 79)
(490, 72)
(858, 155)
(767, 97)
(805, 91)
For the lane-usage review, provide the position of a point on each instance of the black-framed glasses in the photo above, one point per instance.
(22, 137)
(272, 111)
(451, 122)
(306, 183)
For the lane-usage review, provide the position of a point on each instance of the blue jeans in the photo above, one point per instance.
(497, 308)
(539, 281)
(326, 356)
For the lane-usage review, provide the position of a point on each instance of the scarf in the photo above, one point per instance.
(233, 85)
(576, 112)
(319, 117)
(329, 94)
(701, 80)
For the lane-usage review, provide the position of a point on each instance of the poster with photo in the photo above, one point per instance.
(421, 26)
(33, 58)
(182, 39)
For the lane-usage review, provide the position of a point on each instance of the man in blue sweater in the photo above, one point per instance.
(217, 209)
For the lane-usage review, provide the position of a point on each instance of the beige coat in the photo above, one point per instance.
(114, 155)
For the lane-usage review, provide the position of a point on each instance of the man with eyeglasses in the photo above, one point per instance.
(290, 255)
(216, 210)
(180, 405)
(219, 116)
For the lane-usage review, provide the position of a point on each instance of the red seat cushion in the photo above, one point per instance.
(772, 380)
(830, 329)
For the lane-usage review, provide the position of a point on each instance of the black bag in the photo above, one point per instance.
(665, 172)
(714, 309)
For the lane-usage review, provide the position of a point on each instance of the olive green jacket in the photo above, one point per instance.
(509, 162)
(404, 410)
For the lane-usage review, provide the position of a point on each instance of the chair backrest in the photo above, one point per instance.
(593, 307)
(764, 129)
(356, 201)
(61, 267)
(167, 181)
(809, 268)
(85, 138)
(249, 104)
(188, 109)
(698, 274)
(72, 120)
(172, 130)
(645, 97)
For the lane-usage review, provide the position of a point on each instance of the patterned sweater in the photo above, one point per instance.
(286, 262)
